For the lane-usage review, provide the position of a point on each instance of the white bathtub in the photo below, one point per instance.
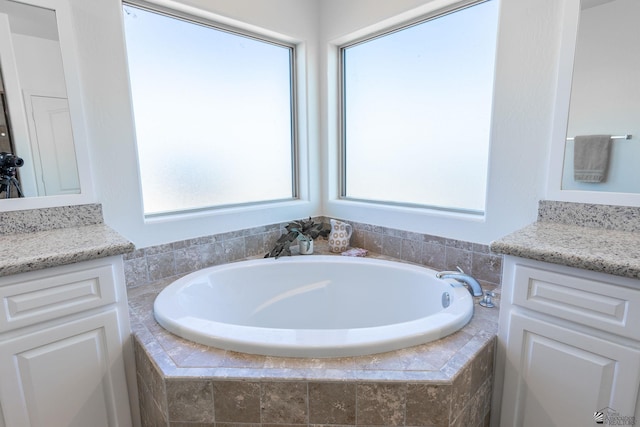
(313, 306)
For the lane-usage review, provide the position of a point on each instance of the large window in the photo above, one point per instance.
(214, 113)
(416, 112)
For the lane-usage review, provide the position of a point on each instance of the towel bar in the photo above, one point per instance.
(627, 136)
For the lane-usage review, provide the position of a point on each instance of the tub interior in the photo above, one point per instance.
(318, 306)
(318, 296)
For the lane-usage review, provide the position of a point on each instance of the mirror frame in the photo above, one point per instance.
(68, 48)
(568, 39)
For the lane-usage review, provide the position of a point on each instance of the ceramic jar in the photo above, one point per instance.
(339, 236)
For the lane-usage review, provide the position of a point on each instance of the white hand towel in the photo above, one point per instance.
(591, 157)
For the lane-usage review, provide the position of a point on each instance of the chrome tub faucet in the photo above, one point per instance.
(471, 283)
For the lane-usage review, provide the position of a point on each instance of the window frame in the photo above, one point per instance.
(341, 110)
(193, 17)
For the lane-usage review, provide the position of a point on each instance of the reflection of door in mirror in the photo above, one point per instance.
(40, 125)
(605, 91)
(52, 145)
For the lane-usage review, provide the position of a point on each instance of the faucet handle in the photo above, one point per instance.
(459, 269)
(487, 300)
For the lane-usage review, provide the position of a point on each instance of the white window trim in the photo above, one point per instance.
(158, 229)
(336, 205)
(240, 31)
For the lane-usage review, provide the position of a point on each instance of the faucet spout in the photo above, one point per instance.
(471, 283)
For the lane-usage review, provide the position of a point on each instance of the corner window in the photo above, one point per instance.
(214, 113)
(416, 112)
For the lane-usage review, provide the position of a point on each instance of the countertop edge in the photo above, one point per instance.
(601, 250)
(52, 248)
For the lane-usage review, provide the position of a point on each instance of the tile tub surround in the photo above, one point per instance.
(147, 265)
(444, 383)
(592, 237)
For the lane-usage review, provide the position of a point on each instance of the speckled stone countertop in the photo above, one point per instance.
(44, 249)
(49, 238)
(592, 237)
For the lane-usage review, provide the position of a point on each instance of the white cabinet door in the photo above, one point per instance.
(556, 376)
(69, 375)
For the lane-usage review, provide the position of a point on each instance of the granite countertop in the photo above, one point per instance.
(604, 250)
(22, 252)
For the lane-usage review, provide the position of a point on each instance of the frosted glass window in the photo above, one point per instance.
(213, 113)
(417, 112)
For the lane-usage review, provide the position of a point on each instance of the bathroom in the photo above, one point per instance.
(533, 68)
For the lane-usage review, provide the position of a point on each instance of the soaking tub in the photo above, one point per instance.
(313, 306)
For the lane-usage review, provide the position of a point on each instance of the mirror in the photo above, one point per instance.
(35, 120)
(605, 96)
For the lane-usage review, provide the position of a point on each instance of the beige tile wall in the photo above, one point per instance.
(182, 401)
(178, 258)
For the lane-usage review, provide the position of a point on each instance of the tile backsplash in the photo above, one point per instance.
(150, 264)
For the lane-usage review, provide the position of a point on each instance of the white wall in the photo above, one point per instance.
(523, 108)
(40, 64)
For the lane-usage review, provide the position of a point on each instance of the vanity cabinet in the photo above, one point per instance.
(64, 344)
(569, 342)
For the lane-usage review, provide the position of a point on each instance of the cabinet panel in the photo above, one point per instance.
(557, 376)
(608, 306)
(84, 392)
(66, 376)
(44, 295)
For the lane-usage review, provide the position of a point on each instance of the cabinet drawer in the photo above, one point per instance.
(38, 296)
(595, 300)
